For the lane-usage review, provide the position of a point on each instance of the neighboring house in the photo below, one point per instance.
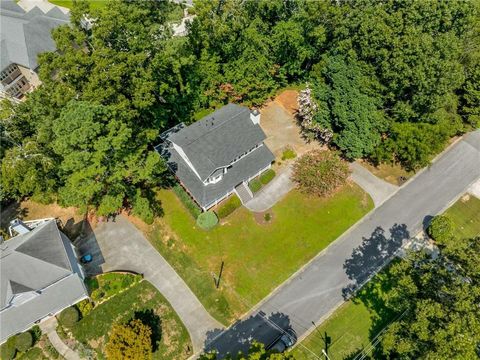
(217, 154)
(24, 35)
(39, 276)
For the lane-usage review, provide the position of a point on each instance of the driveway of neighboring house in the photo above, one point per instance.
(273, 192)
(377, 188)
(119, 245)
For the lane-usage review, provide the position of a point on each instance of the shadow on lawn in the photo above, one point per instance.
(241, 336)
(152, 320)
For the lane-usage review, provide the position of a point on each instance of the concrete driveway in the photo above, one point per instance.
(119, 245)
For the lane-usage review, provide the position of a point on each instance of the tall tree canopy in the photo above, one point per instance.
(438, 299)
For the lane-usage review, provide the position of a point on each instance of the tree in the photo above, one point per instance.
(320, 172)
(129, 341)
(441, 229)
(347, 107)
(307, 111)
(438, 299)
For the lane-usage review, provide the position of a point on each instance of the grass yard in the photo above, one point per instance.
(388, 172)
(94, 4)
(94, 327)
(257, 257)
(351, 327)
(465, 214)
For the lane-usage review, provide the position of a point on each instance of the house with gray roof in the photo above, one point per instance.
(24, 35)
(39, 277)
(217, 155)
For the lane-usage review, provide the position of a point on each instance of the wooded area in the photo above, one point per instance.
(393, 81)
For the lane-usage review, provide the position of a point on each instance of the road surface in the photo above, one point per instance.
(321, 286)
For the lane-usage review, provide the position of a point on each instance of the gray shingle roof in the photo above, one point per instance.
(40, 268)
(218, 138)
(24, 35)
(205, 195)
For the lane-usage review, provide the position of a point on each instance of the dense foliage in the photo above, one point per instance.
(228, 206)
(207, 220)
(129, 341)
(441, 229)
(69, 316)
(389, 81)
(438, 299)
(320, 172)
(23, 341)
(187, 201)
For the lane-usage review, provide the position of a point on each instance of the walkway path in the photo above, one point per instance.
(322, 285)
(49, 327)
(273, 192)
(378, 189)
(119, 245)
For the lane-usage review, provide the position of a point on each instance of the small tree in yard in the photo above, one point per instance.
(441, 229)
(307, 110)
(320, 172)
(129, 341)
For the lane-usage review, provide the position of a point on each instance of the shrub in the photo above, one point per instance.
(255, 185)
(267, 217)
(207, 220)
(85, 306)
(142, 209)
(441, 229)
(23, 341)
(288, 154)
(8, 350)
(129, 341)
(229, 206)
(69, 317)
(187, 201)
(36, 333)
(267, 176)
(320, 172)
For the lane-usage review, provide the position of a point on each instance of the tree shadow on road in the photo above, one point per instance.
(371, 255)
(242, 335)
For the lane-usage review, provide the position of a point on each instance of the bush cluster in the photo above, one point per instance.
(85, 306)
(207, 220)
(441, 229)
(267, 176)
(20, 343)
(288, 154)
(255, 185)
(229, 206)
(320, 172)
(187, 201)
(69, 317)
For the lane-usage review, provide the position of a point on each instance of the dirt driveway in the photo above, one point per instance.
(279, 124)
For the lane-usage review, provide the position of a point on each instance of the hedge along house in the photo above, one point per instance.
(217, 155)
(39, 276)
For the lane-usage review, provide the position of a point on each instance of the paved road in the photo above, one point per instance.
(324, 283)
(378, 189)
(119, 245)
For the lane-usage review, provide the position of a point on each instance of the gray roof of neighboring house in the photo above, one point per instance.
(205, 195)
(24, 35)
(214, 141)
(39, 275)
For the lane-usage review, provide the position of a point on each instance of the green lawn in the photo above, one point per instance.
(257, 257)
(94, 327)
(352, 326)
(466, 216)
(94, 4)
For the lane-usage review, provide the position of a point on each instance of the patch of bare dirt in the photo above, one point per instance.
(288, 100)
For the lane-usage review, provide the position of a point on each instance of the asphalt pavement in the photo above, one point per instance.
(330, 278)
